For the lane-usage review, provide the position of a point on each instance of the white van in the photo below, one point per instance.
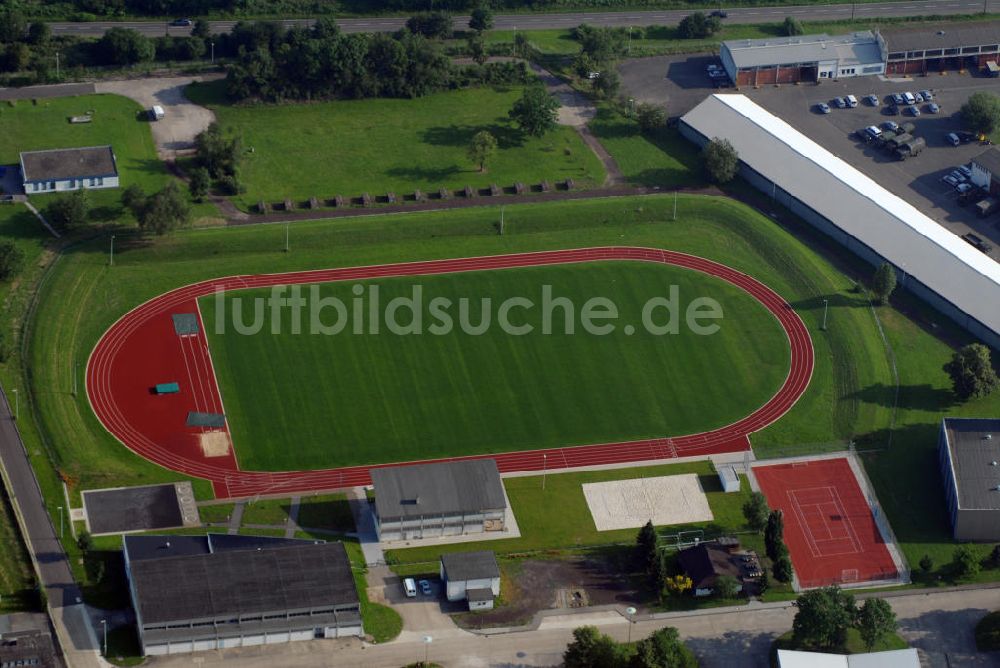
(410, 587)
(156, 113)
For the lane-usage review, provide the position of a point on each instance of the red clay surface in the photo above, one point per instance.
(829, 528)
(141, 350)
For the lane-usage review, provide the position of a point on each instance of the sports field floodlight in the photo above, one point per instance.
(630, 611)
(427, 644)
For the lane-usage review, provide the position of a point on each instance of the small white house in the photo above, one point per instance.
(66, 169)
(471, 576)
(730, 479)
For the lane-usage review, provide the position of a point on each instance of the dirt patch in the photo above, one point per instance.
(530, 585)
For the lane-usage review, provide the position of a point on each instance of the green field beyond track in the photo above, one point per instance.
(301, 401)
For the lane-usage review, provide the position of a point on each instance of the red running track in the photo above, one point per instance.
(141, 350)
(829, 528)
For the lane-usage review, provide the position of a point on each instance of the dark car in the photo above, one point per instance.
(721, 13)
(965, 136)
(181, 23)
(976, 242)
(891, 110)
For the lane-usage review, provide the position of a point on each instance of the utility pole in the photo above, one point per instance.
(212, 44)
(501, 221)
(57, 64)
(111, 256)
(61, 532)
(17, 405)
(286, 236)
(104, 623)
(675, 205)
(630, 40)
(826, 304)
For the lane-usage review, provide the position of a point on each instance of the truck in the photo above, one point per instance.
(896, 142)
(911, 148)
(992, 69)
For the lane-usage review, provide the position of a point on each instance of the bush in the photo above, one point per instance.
(981, 113)
(965, 562)
(972, 373)
(792, 26)
(699, 26)
(69, 212)
(926, 564)
(11, 259)
(720, 160)
(650, 117)
(988, 632)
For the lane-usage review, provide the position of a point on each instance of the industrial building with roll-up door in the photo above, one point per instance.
(842, 202)
(195, 593)
(969, 455)
(939, 48)
(777, 60)
(441, 499)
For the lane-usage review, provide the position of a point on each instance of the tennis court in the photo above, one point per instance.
(830, 529)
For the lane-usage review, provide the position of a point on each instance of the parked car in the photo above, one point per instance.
(953, 139)
(963, 188)
(950, 180)
(898, 99)
(912, 110)
(410, 587)
(909, 98)
(926, 94)
(721, 13)
(181, 23)
(872, 100)
(840, 103)
(873, 132)
(823, 108)
(977, 242)
(965, 136)
(891, 126)
(892, 110)
(425, 587)
(933, 108)
(851, 101)
(966, 171)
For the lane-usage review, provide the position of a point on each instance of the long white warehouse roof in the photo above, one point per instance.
(855, 203)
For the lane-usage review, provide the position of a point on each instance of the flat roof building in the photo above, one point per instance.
(755, 62)
(25, 640)
(986, 170)
(917, 50)
(969, 455)
(194, 593)
(842, 202)
(441, 499)
(65, 169)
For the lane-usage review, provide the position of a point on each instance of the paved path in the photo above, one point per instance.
(56, 90)
(68, 614)
(364, 523)
(236, 519)
(533, 21)
(293, 517)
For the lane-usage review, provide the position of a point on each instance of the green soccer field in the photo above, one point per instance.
(303, 401)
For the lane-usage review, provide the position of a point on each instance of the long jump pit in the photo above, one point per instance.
(834, 529)
(664, 500)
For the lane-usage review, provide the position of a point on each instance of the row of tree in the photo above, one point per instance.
(760, 517)
(662, 649)
(825, 615)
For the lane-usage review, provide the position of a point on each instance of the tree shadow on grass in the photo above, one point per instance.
(427, 174)
(920, 397)
(461, 135)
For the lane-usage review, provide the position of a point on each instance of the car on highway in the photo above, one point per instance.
(823, 108)
(425, 587)
(912, 110)
(872, 100)
(950, 180)
(181, 23)
(909, 98)
(840, 103)
(851, 101)
(927, 95)
(933, 108)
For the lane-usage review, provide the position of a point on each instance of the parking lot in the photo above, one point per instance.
(917, 180)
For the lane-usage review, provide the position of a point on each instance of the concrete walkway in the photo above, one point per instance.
(364, 523)
(236, 519)
(292, 525)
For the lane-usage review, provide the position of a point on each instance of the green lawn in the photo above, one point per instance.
(216, 513)
(853, 645)
(662, 158)
(353, 399)
(329, 512)
(117, 121)
(387, 145)
(573, 525)
(267, 511)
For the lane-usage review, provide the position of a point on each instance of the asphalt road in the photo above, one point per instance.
(625, 18)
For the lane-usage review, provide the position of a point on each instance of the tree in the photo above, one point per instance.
(875, 620)
(650, 117)
(764, 582)
(535, 112)
(69, 212)
(884, 282)
(965, 561)
(646, 543)
(602, 45)
(792, 26)
(608, 84)
(200, 182)
(926, 564)
(994, 559)
(663, 649)
(477, 49)
(972, 373)
(756, 512)
(134, 198)
(782, 569)
(482, 149)
(202, 29)
(11, 259)
(591, 649)
(823, 617)
(521, 45)
(433, 25)
(12, 25)
(123, 46)
(219, 155)
(481, 19)
(165, 211)
(721, 160)
(16, 57)
(39, 33)
(699, 26)
(774, 535)
(981, 112)
(85, 542)
(726, 586)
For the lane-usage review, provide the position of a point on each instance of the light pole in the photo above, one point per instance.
(826, 304)
(286, 236)
(630, 611)
(630, 40)
(501, 221)
(61, 532)
(427, 645)
(111, 255)
(57, 64)
(17, 406)
(212, 44)
(104, 623)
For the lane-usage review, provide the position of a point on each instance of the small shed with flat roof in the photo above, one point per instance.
(471, 576)
(969, 454)
(440, 499)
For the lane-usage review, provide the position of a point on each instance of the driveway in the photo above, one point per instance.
(183, 120)
(421, 613)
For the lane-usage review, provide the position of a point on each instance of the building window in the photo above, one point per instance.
(971, 49)
(100, 181)
(872, 69)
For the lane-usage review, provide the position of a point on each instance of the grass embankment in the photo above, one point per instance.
(852, 645)
(384, 397)
(350, 147)
(118, 121)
